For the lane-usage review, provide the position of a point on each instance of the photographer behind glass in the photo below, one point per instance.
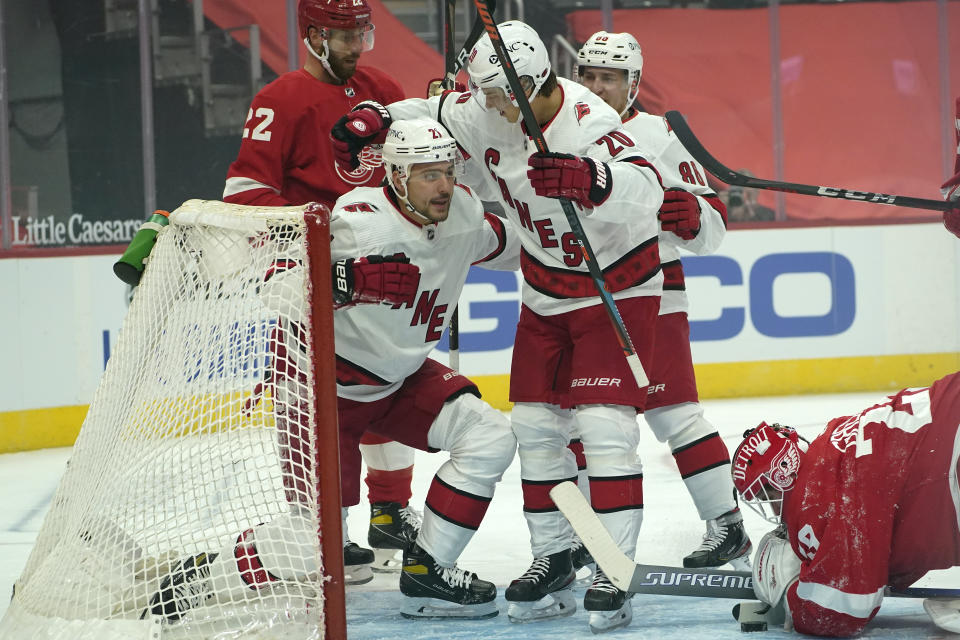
(742, 205)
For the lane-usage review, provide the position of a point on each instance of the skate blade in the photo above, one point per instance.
(604, 621)
(741, 563)
(387, 560)
(354, 574)
(558, 604)
(436, 609)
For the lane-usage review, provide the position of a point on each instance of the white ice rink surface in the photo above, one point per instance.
(500, 550)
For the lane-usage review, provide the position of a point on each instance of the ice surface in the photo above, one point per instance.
(500, 549)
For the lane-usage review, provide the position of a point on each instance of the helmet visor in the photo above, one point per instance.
(343, 41)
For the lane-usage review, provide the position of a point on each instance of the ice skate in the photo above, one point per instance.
(609, 607)
(356, 564)
(544, 590)
(583, 562)
(432, 591)
(393, 528)
(725, 541)
(187, 586)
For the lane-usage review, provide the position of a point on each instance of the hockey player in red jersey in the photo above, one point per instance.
(387, 383)
(692, 218)
(284, 159)
(567, 363)
(871, 502)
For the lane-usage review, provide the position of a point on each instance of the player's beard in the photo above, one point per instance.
(343, 67)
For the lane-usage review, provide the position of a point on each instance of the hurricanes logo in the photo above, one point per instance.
(371, 157)
(582, 110)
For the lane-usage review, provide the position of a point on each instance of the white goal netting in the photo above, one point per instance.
(193, 437)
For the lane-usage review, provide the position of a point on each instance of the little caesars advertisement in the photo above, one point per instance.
(48, 231)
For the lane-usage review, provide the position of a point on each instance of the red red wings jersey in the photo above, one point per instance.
(678, 169)
(378, 345)
(285, 155)
(875, 504)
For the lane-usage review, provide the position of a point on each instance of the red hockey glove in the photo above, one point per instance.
(374, 279)
(951, 220)
(367, 123)
(680, 213)
(578, 178)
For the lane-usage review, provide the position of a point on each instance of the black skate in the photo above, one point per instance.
(356, 564)
(609, 607)
(392, 528)
(186, 586)
(583, 562)
(725, 541)
(432, 591)
(544, 590)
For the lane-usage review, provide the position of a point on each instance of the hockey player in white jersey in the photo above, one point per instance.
(567, 363)
(692, 218)
(387, 384)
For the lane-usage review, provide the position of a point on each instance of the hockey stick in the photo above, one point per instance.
(452, 65)
(680, 127)
(449, 83)
(534, 131)
(674, 581)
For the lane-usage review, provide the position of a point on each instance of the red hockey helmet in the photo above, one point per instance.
(765, 467)
(333, 14)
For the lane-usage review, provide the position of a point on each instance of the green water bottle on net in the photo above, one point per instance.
(129, 267)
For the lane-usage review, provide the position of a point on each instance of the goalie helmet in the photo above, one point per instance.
(333, 14)
(613, 51)
(417, 141)
(765, 467)
(527, 52)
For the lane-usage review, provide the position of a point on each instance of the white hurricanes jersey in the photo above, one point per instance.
(622, 231)
(677, 168)
(378, 345)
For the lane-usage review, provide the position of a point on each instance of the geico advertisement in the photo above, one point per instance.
(781, 294)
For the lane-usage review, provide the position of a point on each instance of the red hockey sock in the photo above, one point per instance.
(389, 486)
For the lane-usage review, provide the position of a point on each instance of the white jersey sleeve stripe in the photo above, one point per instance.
(234, 186)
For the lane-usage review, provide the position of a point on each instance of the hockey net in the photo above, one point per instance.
(188, 442)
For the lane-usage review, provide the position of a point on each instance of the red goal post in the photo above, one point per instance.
(195, 435)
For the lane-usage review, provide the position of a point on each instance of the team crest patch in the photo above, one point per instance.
(350, 92)
(582, 110)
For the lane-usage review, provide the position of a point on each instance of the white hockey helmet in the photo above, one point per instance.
(613, 51)
(527, 52)
(418, 141)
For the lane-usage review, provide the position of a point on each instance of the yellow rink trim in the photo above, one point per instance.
(58, 426)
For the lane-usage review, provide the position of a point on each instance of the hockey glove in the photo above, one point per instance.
(578, 178)
(680, 213)
(366, 124)
(374, 279)
(435, 87)
(775, 567)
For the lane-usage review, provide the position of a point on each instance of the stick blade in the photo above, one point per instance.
(618, 567)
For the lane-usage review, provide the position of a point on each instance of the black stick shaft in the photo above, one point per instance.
(680, 127)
